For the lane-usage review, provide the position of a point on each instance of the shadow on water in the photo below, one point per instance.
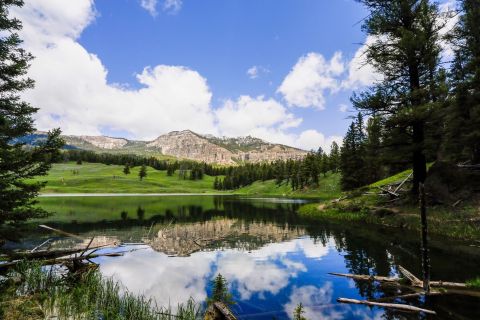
(273, 258)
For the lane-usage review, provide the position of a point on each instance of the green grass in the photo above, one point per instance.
(39, 294)
(459, 223)
(101, 178)
(312, 211)
(399, 177)
(329, 188)
(396, 178)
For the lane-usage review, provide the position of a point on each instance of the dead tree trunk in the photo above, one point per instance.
(425, 256)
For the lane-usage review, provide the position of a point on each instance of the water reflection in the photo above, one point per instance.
(184, 239)
(260, 274)
(272, 259)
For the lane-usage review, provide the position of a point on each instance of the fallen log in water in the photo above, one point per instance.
(397, 306)
(46, 254)
(68, 234)
(410, 276)
(365, 277)
(219, 311)
(62, 260)
(407, 296)
(443, 287)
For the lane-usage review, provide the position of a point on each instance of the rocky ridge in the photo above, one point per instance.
(187, 144)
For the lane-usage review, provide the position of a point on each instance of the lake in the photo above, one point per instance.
(272, 259)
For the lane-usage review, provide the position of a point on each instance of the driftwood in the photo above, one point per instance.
(415, 282)
(365, 277)
(403, 182)
(68, 234)
(62, 260)
(219, 311)
(46, 254)
(416, 285)
(402, 307)
(41, 245)
(407, 296)
(391, 193)
(445, 284)
(407, 274)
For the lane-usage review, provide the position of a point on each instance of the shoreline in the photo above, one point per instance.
(94, 194)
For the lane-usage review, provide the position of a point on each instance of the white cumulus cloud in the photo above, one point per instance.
(172, 6)
(73, 93)
(255, 71)
(360, 73)
(312, 140)
(313, 298)
(150, 6)
(311, 79)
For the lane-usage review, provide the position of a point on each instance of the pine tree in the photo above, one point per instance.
(463, 121)
(352, 160)
(334, 157)
(406, 53)
(373, 160)
(220, 291)
(126, 169)
(347, 160)
(325, 164)
(298, 312)
(18, 163)
(143, 172)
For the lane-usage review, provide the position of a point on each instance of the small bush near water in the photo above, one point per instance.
(35, 292)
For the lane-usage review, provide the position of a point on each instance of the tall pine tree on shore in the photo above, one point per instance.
(18, 162)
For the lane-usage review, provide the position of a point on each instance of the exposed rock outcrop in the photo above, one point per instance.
(190, 145)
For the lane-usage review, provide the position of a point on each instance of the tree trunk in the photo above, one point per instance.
(419, 160)
(425, 257)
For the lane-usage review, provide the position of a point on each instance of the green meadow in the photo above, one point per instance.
(100, 178)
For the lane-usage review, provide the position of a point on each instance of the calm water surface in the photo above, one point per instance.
(272, 259)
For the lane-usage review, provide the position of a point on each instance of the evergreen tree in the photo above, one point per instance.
(373, 160)
(405, 51)
(143, 172)
(325, 164)
(463, 121)
(126, 169)
(347, 160)
(334, 157)
(19, 163)
(220, 291)
(298, 312)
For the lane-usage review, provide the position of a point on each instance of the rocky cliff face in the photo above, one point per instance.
(190, 145)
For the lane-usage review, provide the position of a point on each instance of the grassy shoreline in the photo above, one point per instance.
(461, 222)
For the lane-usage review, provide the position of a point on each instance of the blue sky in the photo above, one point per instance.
(281, 70)
(223, 39)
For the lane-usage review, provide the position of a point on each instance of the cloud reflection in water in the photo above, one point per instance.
(173, 280)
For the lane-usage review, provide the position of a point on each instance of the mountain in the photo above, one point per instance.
(190, 145)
